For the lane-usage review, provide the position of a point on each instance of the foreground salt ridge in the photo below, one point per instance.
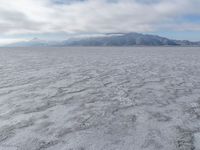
(102, 99)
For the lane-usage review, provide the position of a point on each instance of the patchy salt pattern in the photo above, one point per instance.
(100, 99)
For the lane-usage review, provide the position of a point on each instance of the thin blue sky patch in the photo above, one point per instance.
(148, 1)
(192, 18)
(62, 2)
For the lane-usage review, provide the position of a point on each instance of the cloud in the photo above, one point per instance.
(5, 41)
(95, 16)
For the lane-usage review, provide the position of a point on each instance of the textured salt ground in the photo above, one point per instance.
(100, 98)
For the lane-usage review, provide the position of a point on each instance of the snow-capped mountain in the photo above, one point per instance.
(128, 39)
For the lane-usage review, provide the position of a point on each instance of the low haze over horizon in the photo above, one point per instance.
(60, 19)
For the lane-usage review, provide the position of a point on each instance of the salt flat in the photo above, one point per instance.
(100, 98)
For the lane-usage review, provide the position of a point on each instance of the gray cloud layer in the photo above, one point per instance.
(95, 16)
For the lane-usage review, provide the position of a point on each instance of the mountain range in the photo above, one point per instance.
(127, 39)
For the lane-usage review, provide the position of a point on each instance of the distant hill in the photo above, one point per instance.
(129, 39)
(35, 42)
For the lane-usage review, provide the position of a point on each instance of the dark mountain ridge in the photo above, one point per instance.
(128, 39)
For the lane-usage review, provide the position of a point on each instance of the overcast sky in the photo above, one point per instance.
(59, 19)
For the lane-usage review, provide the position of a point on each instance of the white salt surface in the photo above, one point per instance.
(100, 98)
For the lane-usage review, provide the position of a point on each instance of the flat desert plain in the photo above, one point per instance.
(137, 98)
